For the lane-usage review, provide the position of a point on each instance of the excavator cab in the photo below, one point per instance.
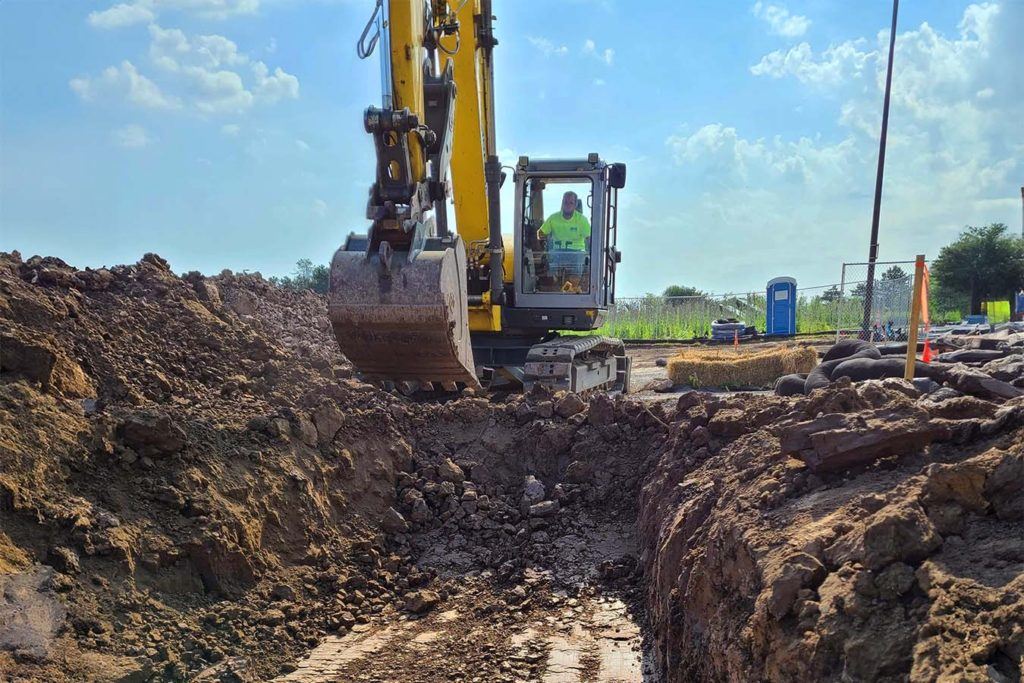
(565, 260)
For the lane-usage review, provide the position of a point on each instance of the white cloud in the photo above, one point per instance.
(606, 55)
(598, 81)
(123, 81)
(230, 129)
(546, 47)
(954, 154)
(144, 11)
(216, 92)
(836, 64)
(271, 88)
(121, 15)
(207, 74)
(319, 208)
(780, 21)
(132, 136)
(302, 145)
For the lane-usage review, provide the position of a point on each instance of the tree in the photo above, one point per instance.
(306, 276)
(983, 263)
(831, 294)
(681, 290)
(894, 273)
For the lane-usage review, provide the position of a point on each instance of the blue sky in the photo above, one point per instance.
(228, 133)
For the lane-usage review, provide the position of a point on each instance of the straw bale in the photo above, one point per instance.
(705, 367)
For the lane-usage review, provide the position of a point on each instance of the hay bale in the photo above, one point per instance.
(704, 367)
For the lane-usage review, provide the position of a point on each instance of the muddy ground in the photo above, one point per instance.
(194, 486)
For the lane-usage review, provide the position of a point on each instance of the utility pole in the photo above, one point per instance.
(869, 291)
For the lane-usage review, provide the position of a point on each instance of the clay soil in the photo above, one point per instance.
(195, 486)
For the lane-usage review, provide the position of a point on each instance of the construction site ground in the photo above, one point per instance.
(195, 485)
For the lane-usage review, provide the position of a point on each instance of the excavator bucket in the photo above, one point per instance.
(403, 320)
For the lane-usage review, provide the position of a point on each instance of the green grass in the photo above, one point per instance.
(656, 318)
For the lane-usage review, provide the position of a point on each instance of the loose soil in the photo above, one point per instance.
(194, 485)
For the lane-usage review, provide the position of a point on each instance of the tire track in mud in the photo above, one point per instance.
(550, 638)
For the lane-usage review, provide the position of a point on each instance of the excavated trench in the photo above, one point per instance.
(192, 486)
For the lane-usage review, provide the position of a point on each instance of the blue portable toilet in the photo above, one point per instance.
(781, 318)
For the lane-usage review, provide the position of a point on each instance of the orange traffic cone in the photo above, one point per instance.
(926, 356)
(736, 339)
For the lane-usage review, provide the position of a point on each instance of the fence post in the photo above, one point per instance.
(915, 318)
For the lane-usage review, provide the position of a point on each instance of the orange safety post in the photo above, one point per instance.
(915, 317)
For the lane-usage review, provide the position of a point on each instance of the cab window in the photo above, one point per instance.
(557, 215)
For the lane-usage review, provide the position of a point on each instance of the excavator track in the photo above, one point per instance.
(578, 364)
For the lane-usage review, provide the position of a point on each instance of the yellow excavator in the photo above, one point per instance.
(416, 302)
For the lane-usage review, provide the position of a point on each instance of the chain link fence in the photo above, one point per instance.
(836, 309)
(878, 307)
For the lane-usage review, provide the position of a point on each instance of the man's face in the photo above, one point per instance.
(568, 204)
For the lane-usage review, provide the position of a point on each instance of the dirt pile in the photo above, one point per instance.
(200, 480)
(865, 532)
(192, 485)
(188, 476)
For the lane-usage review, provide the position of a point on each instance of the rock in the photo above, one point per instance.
(688, 400)
(894, 580)
(327, 419)
(207, 292)
(661, 362)
(31, 615)
(700, 436)
(962, 483)
(798, 571)
(926, 385)
(1005, 369)
(38, 358)
(306, 430)
(900, 385)
(660, 386)
(602, 410)
(960, 408)
(278, 428)
(449, 471)
(394, 522)
(64, 559)
(545, 508)
(579, 472)
(533, 491)
(1004, 487)
(420, 511)
(729, 422)
(977, 383)
(283, 591)
(152, 434)
(899, 533)
(569, 405)
(272, 617)
(421, 601)
(839, 441)
(155, 260)
(524, 413)
(545, 409)
(240, 301)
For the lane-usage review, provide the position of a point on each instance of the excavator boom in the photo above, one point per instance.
(398, 298)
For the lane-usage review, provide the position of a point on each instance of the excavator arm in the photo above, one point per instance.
(399, 298)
